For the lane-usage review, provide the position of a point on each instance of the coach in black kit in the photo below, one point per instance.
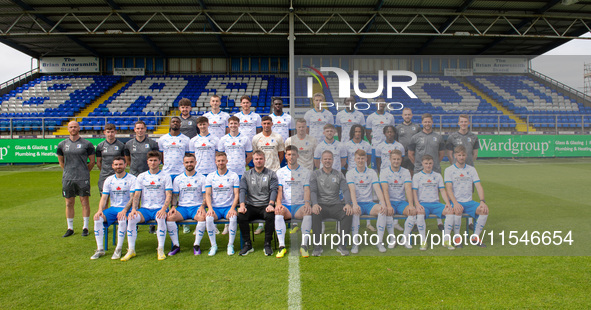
(325, 186)
(258, 192)
(76, 157)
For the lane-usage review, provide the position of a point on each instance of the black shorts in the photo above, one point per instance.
(406, 163)
(101, 182)
(73, 188)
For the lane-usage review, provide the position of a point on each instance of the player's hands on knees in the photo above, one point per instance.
(242, 209)
(270, 208)
(458, 210)
(98, 215)
(383, 210)
(317, 208)
(483, 208)
(307, 209)
(232, 213)
(348, 210)
(133, 214)
(161, 214)
(448, 210)
(390, 211)
(200, 212)
(420, 209)
(121, 216)
(412, 211)
(210, 212)
(356, 209)
(279, 209)
(172, 212)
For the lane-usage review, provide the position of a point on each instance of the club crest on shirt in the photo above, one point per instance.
(78, 146)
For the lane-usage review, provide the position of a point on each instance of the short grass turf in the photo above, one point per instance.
(40, 269)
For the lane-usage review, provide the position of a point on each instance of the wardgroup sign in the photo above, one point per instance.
(534, 146)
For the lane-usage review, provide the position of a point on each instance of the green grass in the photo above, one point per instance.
(42, 270)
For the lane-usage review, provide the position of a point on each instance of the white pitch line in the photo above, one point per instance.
(294, 292)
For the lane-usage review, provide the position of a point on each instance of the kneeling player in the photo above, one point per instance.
(154, 187)
(221, 197)
(362, 181)
(397, 188)
(293, 197)
(459, 178)
(426, 185)
(187, 197)
(119, 187)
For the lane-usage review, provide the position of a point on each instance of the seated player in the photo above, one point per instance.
(154, 187)
(221, 197)
(119, 188)
(362, 181)
(187, 197)
(397, 188)
(459, 178)
(293, 198)
(426, 186)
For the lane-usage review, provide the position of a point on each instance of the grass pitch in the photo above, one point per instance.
(40, 269)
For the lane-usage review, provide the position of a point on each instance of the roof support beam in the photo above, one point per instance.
(367, 27)
(523, 22)
(135, 27)
(443, 26)
(44, 18)
(215, 28)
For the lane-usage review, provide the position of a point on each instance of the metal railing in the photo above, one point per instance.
(19, 79)
(443, 123)
(561, 86)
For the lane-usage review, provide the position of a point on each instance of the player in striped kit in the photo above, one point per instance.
(187, 197)
(459, 179)
(119, 188)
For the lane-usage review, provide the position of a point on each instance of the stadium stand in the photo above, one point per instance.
(55, 98)
(543, 106)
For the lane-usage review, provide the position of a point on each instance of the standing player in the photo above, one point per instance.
(293, 199)
(258, 193)
(218, 120)
(346, 118)
(154, 188)
(270, 143)
(397, 189)
(305, 144)
(318, 117)
(362, 182)
(221, 197)
(203, 145)
(335, 147)
(136, 153)
(427, 142)
(405, 131)
(173, 147)
(376, 122)
(119, 188)
(76, 158)
(426, 186)
(459, 179)
(469, 140)
(250, 122)
(237, 146)
(354, 143)
(105, 152)
(282, 122)
(136, 149)
(187, 198)
(384, 148)
(188, 122)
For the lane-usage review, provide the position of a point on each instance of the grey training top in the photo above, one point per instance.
(75, 155)
(138, 151)
(405, 133)
(326, 187)
(108, 152)
(423, 144)
(189, 126)
(469, 141)
(257, 189)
